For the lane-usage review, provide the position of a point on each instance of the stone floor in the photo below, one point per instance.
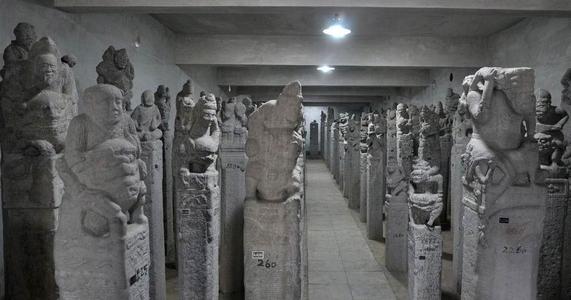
(343, 264)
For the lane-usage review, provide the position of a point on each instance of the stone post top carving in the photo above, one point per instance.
(323, 117)
(39, 97)
(18, 49)
(377, 131)
(403, 119)
(277, 124)
(553, 157)
(103, 156)
(184, 107)
(147, 118)
(116, 69)
(425, 194)
(163, 102)
(250, 107)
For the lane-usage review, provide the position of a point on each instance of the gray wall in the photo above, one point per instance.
(88, 35)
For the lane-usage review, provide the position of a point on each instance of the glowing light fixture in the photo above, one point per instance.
(337, 30)
(325, 69)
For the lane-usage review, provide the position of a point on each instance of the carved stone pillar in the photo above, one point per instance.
(363, 187)
(424, 262)
(376, 181)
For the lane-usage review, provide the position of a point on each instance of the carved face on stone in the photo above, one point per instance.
(543, 103)
(207, 109)
(46, 69)
(401, 109)
(121, 59)
(147, 98)
(428, 122)
(25, 35)
(104, 105)
(545, 143)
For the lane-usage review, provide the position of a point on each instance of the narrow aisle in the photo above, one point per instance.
(341, 265)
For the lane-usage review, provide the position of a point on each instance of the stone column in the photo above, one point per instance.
(445, 152)
(396, 208)
(503, 207)
(274, 212)
(363, 187)
(197, 196)
(38, 99)
(461, 129)
(314, 139)
(549, 284)
(233, 185)
(352, 171)
(424, 262)
(334, 152)
(342, 165)
(102, 244)
(376, 182)
(404, 138)
(152, 155)
(198, 233)
(322, 127)
(147, 119)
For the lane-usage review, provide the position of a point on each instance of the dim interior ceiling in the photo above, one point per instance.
(258, 46)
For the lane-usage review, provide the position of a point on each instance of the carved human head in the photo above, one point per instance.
(148, 98)
(25, 34)
(247, 101)
(401, 109)
(289, 105)
(206, 109)
(121, 59)
(104, 105)
(187, 88)
(46, 64)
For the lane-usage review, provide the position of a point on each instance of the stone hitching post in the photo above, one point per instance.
(328, 138)
(503, 205)
(396, 206)
(322, 131)
(404, 138)
(274, 212)
(425, 204)
(38, 99)
(365, 119)
(197, 197)
(102, 244)
(233, 186)
(352, 171)
(376, 182)
(334, 151)
(553, 162)
(461, 130)
(314, 139)
(147, 118)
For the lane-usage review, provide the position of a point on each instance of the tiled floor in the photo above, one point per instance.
(341, 264)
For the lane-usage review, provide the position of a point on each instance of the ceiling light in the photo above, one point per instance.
(337, 31)
(326, 69)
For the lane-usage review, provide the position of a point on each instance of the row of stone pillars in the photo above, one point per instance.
(508, 201)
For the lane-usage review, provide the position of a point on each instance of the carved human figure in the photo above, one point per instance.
(566, 83)
(147, 118)
(425, 194)
(273, 146)
(403, 119)
(18, 50)
(396, 179)
(353, 133)
(184, 107)
(116, 69)
(103, 154)
(429, 142)
(377, 131)
(365, 121)
(234, 116)
(200, 144)
(549, 135)
(163, 102)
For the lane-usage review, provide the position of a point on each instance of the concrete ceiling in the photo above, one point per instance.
(363, 22)
(259, 45)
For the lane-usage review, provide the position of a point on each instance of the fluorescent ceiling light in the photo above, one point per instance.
(337, 31)
(326, 69)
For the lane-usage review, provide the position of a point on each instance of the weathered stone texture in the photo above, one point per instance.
(424, 262)
(363, 188)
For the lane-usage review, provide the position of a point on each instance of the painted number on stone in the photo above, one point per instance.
(266, 264)
(514, 250)
(141, 272)
(185, 212)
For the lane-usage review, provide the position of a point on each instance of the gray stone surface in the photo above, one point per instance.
(38, 99)
(352, 170)
(551, 253)
(322, 131)
(274, 212)
(152, 155)
(233, 187)
(396, 209)
(363, 188)
(376, 182)
(314, 139)
(198, 232)
(334, 151)
(117, 70)
(404, 137)
(424, 262)
(102, 244)
(503, 207)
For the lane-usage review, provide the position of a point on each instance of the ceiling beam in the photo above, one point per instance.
(405, 51)
(319, 91)
(347, 77)
(531, 7)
